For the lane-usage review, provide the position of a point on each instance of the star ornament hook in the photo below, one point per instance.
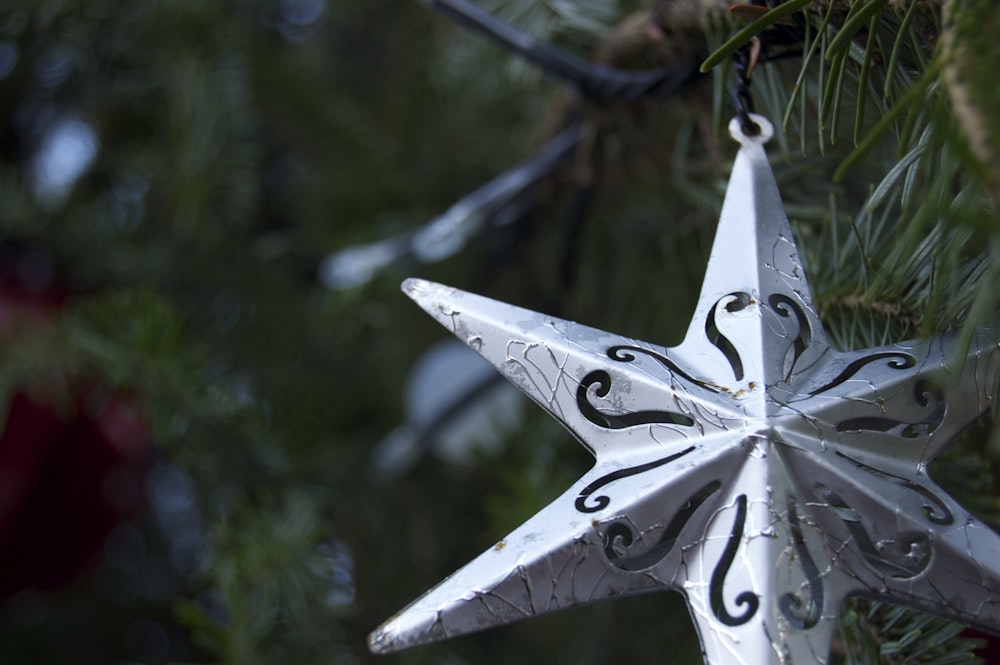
(755, 469)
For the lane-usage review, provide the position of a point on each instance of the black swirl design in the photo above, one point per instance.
(937, 513)
(619, 536)
(899, 360)
(799, 614)
(904, 429)
(602, 501)
(871, 424)
(624, 353)
(923, 393)
(787, 307)
(720, 341)
(602, 380)
(902, 558)
(747, 598)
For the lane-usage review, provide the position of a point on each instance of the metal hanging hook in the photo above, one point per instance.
(745, 60)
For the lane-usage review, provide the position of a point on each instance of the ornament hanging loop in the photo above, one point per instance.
(744, 61)
(763, 133)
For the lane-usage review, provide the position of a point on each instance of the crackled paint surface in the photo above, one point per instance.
(754, 468)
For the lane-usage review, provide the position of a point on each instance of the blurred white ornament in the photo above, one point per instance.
(456, 407)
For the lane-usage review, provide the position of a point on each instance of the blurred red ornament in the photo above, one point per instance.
(69, 473)
(990, 649)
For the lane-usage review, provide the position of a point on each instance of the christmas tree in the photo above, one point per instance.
(229, 438)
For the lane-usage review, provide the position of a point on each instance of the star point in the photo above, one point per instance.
(755, 469)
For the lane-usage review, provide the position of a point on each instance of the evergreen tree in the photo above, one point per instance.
(207, 207)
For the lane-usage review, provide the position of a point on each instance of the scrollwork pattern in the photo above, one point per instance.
(938, 513)
(922, 395)
(786, 307)
(601, 502)
(602, 380)
(791, 605)
(897, 360)
(747, 598)
(738, 301)
(901, 558)
(619, 536)
(625, 353)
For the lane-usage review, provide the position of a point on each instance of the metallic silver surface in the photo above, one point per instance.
(754, 468)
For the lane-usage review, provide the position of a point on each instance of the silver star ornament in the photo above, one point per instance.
(755, 469)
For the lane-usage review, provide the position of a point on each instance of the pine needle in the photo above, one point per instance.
(746, 34)
(866, 68)
(807, 58)
(897, 47)
(858, 15)
(912, 96)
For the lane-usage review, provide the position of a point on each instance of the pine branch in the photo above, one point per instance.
(969, 46)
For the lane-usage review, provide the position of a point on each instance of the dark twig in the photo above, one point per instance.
(503, 200)
(744, 60)
(593, 81)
